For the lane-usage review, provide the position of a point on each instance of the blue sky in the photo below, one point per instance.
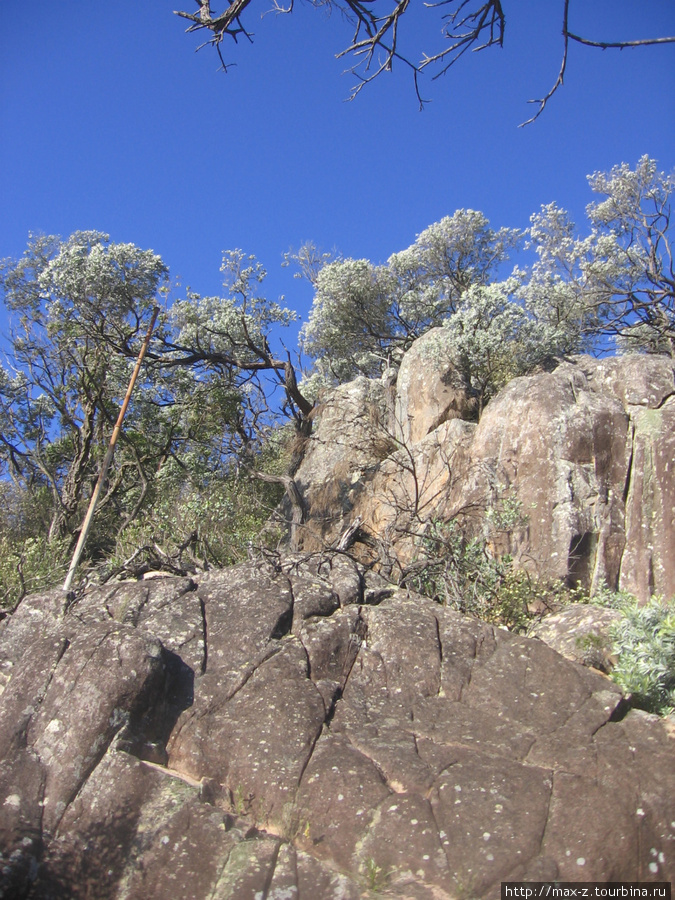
(110, 120)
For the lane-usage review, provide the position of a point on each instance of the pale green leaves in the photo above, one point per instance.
(632, 195)
(496, 334)
(353, 318)
(620, 278)
(447, 258)
(364, 316)
(233, 329)
(617, 282)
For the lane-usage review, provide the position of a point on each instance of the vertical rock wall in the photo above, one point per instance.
(588, 450)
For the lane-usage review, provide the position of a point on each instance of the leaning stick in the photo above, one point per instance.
(108, 457)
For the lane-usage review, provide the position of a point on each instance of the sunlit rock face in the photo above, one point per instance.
(296, 727)
(429, 389)
(586, 451)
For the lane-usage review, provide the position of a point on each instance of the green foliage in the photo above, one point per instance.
(465, 570)
(188, 527)
(199, 413)
(353, 322)
(494, 337)
(364, 315)
(231, 331)
(77, 306)
(617, 281)
(30, 566)
(375, 876)
(643, 642)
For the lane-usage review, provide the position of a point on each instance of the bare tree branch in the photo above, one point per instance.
(561, 74)
(228, 23)
(468, 25)
(620, 45)
(483, 27)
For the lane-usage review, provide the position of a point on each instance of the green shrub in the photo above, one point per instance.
(465, 573)
(184, 524)
(29, 565)
(191, 527)
(643, 642)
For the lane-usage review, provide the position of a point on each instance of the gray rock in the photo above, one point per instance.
(395, 746)
(587, 450)
(581, 633)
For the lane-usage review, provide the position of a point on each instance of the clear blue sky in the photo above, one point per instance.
(110, 120)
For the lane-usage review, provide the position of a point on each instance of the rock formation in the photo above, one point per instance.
(586, 450)
(291, 728)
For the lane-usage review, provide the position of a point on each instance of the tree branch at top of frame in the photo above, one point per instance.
(375, 44)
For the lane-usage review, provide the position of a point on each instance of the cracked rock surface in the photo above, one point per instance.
(267, 734)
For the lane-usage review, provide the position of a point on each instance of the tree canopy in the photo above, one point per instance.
(616, 284)
(364, 314)
(377, 27)
(78, 309)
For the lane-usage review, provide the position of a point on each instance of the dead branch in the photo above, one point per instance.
(375, 44)
(298, 514)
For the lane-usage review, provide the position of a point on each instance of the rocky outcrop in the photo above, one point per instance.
(291, 728)
(342, 454)
(429, 389)
(586, 451)
(580, 632)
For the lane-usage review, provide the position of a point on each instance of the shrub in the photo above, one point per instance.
(643, 642)
(463, 572)
(196, 527)
(29, 565)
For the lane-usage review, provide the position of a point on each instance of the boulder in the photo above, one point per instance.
(352, 432)
(562, 451)
(580, 632)
(325, 735)
(430, 389)
(587, 450)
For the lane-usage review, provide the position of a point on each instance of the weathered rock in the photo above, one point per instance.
(648, 561)
(634, 379)
(352, 433)
(326, 750)
(593, 467)
(429, 389)
(587, 450)
(580, 632)
(72, 686)
(412, 486)
(562, 451)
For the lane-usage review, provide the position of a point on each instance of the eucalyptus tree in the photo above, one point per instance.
(77, 308)
(229, 337)
(619, 280)
(365, 316)
(612, 288)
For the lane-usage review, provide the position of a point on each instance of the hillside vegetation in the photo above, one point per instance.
(220, 420)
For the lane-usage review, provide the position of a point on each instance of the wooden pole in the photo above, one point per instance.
(108, 457)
